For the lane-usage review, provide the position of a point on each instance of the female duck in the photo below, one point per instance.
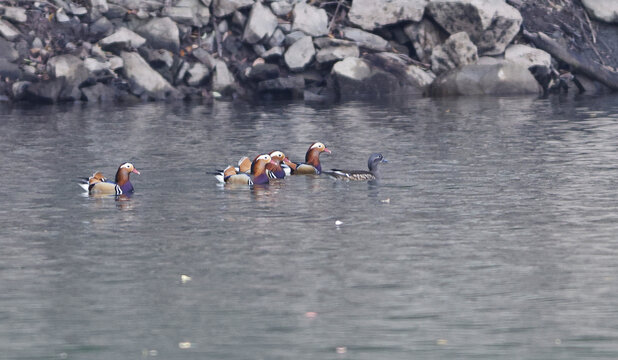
(312, 165)
(98, 184)
(360, 175)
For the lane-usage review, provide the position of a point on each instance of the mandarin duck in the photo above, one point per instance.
(360, 175)
(273, 168)
(312, 165)
(98, 184)
(258, 168)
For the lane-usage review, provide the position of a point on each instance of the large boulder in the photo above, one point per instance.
(456, 51)
(188, 12)
(425, 36)
(197, 74)
(261, 24)
(161, 33)
(300, 54)
(310, 20)
(502, 78)
(527, 56)
(122, 39)
(491, 24)
(604, 10)
(223, 8)
(223, 80)
(99, 5)
(14, 14)
(8, 31)
(370, 14)
(7, 51)
(9, 70)
(143, 80)
(70, 67)
(366, 39)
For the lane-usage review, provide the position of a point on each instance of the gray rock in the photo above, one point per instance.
(77, 10)
(143, 80)
(182, 71)
(159, 58)
(46, 91)
(265, 71)
(7, 51)
(19, 89)
(336, 53)
(223, 8)
(261, 24)
(95, 66)
(102, 27)
(115, 12)
(239, 19)
(206, 2)
(100, 93)
(456, 51)
(223, 80)
(425, 36)
(100, 5)
(9, 70)
(182, 15)
(259, 49)
(222, 26)
(490, 24)
(282, 84)
(97, 52)
(146, 5)
(281, 8)
(37, 43)
(370, 14)
(323, 42)
(310, 20)
(488, 60)
(604, 10)
(273, 53)
(527, 56)
(62, 17)
(197, 74)
(161, 33)
(8, 31)
(277, 38)
(205, 58)
(365, 39)
(70, 67)
(300, 54)
(285, 27)
(122, 39)
(115, 63)
(15, 14)
(293, 37)
(504, 78)
(421, 77)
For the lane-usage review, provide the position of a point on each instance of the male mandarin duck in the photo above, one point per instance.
(360, 175)
(98, 184)
(273, 168)
(312, 165)
(258, 168)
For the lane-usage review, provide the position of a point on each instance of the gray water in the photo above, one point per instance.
(493, 233)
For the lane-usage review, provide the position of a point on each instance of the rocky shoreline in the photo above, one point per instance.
(321, 50)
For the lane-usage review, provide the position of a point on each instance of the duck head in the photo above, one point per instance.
(313, 154)
(122, 175)
(259, 164)
(374, 160)
(277, 157)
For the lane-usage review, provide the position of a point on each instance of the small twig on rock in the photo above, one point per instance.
(594, 35)
(332, 21)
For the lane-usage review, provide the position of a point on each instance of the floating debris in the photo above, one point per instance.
(185, 278)
(386, 201)
(311, 314)
(341, 349)
(184, 345)
(338, 222)
(441, 342)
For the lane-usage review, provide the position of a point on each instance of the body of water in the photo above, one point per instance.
(493, 233)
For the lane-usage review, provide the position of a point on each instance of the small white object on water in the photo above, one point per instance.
(185, 278)
(441, 342)
(341, 349)
(386, 201)
(216, 94)
(184, 345)
(338, 222)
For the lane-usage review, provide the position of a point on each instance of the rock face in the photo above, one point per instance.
(490, 24)
(68, 66)
(527, 56)
(503, 78)
(425, 36)
(122, 39)
(370, 14)
(604, 10)
(300, 54)
(335, 53)
(223, 8)
(143, 80)
(7, 51)
(310, 20)
(366, 39)
(161, 33)
(456, 51)
(8, 31)
(15, 14)
(223, 80)
(262, 24)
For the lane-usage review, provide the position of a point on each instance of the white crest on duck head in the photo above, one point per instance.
(317, 145)
(277, 154)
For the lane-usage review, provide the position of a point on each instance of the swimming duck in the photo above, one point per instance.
(98, 184)
(258, 168)
(360, 175)
(312, 165)
(273, 168)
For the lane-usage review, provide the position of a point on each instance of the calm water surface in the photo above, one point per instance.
(494, 233)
